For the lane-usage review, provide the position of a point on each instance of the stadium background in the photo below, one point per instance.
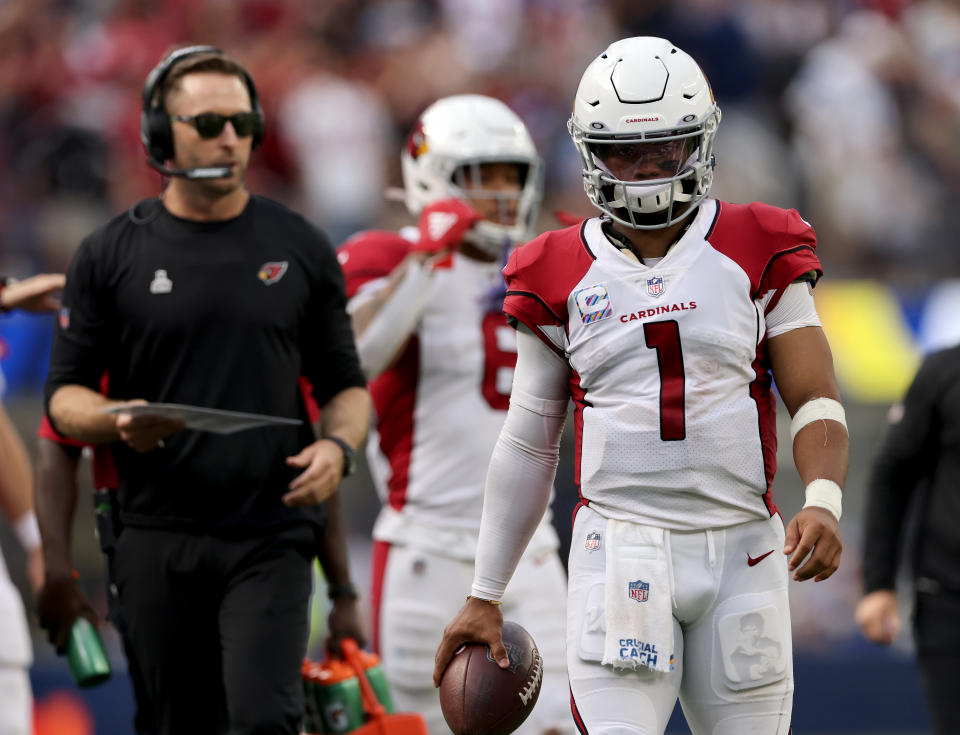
(849, 111)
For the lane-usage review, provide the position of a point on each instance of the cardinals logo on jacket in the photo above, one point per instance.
(270, 273)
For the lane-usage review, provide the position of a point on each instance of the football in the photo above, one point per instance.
(477, 697)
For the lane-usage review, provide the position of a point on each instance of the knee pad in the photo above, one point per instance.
(409, 637)
(753, 651)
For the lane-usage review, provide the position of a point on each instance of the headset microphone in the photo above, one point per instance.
(203, 172)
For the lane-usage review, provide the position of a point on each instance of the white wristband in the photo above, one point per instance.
(28, 531)
(825, 494)
(817, 409)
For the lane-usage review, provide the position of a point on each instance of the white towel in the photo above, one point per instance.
(638, 598)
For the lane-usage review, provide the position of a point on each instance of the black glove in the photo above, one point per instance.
(59, 604)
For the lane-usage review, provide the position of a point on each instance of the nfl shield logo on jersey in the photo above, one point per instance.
(655, 285)
(594, 303)
(593, 541)
(639, 590)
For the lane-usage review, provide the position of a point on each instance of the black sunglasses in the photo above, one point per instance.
(211, 124)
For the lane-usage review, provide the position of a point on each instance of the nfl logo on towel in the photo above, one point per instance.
(639, 590)
(593, 541)
(655, 285)
(594, 303)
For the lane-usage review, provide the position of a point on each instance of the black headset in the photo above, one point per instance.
(155, 131)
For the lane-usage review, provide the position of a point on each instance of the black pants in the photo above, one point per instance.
(937, 632)
(109, 528)
(218, 627)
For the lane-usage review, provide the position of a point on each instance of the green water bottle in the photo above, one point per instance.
(378, 680)
(85, 654)
(339, 703)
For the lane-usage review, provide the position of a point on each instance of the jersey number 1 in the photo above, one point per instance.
(664, 337)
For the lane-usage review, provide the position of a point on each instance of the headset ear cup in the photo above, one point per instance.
(257, 108)
(159, 135)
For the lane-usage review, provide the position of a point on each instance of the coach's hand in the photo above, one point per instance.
(323, 461)
(59, 604)
(477, 622)
(814, 535)
(144, 433)
(878, 615)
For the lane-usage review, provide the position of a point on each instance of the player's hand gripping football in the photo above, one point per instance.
(477, 622)
(322, 463)
(813, 539)
(442, 227)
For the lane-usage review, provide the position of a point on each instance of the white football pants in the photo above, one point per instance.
(733, 655)
(422, 592)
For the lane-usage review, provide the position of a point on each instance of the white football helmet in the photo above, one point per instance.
(645, 102)
(452, 138)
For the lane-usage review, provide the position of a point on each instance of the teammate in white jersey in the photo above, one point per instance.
(16, 504)
(663, 319)
(426, 308)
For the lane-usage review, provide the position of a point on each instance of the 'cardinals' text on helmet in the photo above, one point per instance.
(644, 121)
(441, 158)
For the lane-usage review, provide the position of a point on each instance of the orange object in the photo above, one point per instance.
(62, 712)
(379, 722)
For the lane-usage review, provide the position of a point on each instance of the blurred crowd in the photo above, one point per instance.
(849, 111)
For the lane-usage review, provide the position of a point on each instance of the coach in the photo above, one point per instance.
(213, 297)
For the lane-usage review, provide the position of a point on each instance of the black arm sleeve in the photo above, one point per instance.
(329, 353)
(80, 348)
(905, 460)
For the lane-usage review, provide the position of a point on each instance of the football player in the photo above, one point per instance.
(426, 309)
(665, 319)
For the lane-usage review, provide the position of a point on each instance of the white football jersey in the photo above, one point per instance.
(675, 416)
(15, 648)
(441, 405)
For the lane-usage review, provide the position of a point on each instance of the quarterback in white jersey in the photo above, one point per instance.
(426, 308)
(665, 321)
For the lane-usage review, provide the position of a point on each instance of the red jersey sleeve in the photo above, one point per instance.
(309, 402)
(540, 277)
(774, 246)
(370, 255)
